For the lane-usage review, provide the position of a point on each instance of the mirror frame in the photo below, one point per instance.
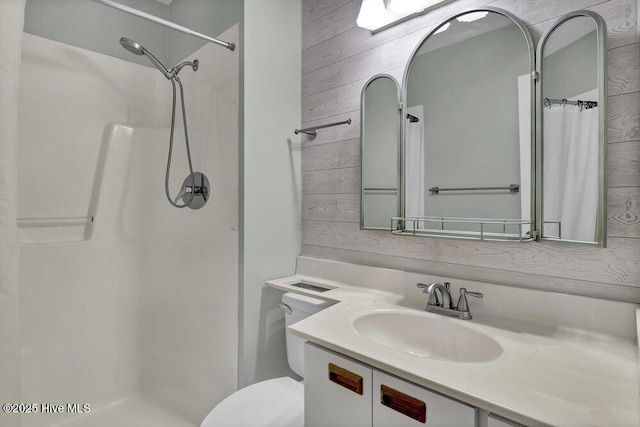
(400, 191)
(601, 218)
(401, 227)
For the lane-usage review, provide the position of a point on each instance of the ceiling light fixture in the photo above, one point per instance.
(378, 15)
(373, 14)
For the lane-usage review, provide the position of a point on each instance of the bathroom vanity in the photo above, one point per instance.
(368, 397)
(377, 358)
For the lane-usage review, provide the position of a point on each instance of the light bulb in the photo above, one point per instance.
(372, 14)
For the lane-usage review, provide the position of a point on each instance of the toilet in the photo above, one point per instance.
(278, 402)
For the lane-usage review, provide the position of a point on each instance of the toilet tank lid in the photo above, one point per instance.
(305, 303)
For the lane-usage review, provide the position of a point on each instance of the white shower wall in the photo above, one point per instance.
(143, 306)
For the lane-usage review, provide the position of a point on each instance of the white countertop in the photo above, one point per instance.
(545, 376)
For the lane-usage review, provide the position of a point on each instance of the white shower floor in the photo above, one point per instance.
(132, 412)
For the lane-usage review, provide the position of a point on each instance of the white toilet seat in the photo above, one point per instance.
(273, 403)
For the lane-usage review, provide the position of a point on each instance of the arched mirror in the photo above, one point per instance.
(572, 129)
(380, 139)
(468, 155)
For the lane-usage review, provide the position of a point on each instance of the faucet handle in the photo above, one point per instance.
(423, 287)
(471, 294)
(462, 301)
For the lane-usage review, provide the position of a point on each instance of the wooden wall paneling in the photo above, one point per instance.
(503, 277)
(332, 181)
(623, 215)
(624, 69)
(331, 207)
(342, 154)
(626, 251)
(621, 17)
(513, 6)
(316, 9)
(339, 100)
(614, 265)
(335, 49)
(624, 117)
(336, 22)
(333, 102)
(534, 11)
(394, 54)
(623, 164)
(618, 14)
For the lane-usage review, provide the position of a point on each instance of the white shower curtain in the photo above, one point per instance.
(414, 166)
(11, 25)
(571, 170)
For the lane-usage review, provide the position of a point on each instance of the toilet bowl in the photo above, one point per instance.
(278, 402)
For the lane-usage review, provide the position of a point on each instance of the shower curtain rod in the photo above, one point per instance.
(581, 104)
(164, 22)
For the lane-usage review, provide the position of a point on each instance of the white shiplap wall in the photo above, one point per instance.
(338, 58)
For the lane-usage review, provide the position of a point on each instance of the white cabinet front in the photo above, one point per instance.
(337, 391)
(398, 403)
(342, 392)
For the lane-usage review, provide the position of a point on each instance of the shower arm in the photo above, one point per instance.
(176, 69)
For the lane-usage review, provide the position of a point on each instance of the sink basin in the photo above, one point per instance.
(425, 336)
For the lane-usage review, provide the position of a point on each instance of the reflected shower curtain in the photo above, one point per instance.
(570, 143)
(414, 166)
(11, 25)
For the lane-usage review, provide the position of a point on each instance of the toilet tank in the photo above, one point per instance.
(302, 307)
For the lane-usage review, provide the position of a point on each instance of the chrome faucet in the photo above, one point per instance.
(440, 300)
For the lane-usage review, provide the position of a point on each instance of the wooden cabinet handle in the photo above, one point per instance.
(403, 403)
(346, 379)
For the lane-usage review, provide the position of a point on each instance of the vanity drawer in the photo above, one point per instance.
(337, 390)
(398, 403)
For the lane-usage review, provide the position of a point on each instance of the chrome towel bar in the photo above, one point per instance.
(312, 131)
(514, 188)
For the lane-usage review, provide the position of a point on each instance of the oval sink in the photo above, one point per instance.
(434, 338)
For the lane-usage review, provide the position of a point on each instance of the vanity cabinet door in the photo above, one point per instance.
(497, 421)
(397, 403)
(337, 390)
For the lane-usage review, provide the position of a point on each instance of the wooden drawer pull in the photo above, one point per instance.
(403, 403)
(345, 378)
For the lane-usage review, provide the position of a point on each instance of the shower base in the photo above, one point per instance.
(132, 412)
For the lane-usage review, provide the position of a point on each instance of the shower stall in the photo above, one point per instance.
(124, 309)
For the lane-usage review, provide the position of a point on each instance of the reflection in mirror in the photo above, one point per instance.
(380, 139)
(469, 155)
(572, 115)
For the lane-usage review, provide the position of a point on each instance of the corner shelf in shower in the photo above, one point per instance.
(54, 230)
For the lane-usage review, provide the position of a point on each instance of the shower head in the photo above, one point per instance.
(137, 49)
(132, 46)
